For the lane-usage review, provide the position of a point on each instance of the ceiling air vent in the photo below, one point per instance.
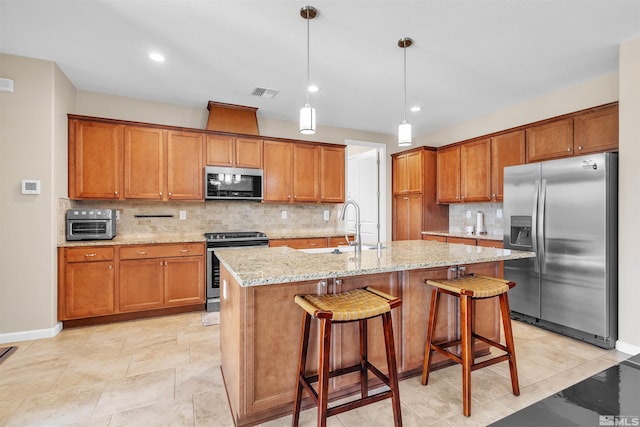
(264, 93)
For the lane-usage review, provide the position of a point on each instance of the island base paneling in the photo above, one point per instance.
(261, 327)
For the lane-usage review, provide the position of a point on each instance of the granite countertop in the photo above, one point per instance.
(498, 237)
(138, 239)
(265, 266)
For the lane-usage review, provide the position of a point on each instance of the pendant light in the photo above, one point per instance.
(404, 128)
(308, 113)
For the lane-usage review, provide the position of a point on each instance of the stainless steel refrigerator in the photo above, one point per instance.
(566, 211)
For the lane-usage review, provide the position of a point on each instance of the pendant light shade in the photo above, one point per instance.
(404, 134)
(404, 128)
(308, 113)
(307, 120)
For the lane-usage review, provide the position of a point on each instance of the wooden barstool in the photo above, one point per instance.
(468, 288)
(356, 305)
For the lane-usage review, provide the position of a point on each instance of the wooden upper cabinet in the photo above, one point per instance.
(184, 166)
(306, 165)
(448, 170)
(95, 160)
(550, 140)
(144, 163)
(278, 166)
(506, 150)
(596, 131)
(332, 174)
(223, 150)
(407, 172)
(475, 171)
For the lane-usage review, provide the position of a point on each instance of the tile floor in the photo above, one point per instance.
(165, 372)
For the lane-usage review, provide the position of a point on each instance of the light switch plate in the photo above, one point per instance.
(284, 214)
(183, 215)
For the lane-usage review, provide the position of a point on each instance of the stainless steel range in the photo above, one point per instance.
(226, 240)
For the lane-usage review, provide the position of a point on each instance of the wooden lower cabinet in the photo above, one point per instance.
(260, 337)
(86, 282)
(311, 242)
(100, 281)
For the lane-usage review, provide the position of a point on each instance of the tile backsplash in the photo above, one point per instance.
(492, 220)
(215, 216)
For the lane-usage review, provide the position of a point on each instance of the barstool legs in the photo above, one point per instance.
(392, 368)
(302, 361)
(433, 310)
(508, 338)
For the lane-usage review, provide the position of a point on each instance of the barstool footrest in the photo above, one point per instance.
(344, 407)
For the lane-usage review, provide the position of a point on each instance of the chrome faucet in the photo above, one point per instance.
(358, 240)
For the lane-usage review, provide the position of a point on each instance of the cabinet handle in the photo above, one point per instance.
(142, 252)
(116, 192)
(161, 193)
(405, 198)
(110, 267)
(569, 149)
(580, 147)
(338, 282)
(323, 283)
(169, 194)
(289, 196)
(313, 244)
(184, 250)
(90, 255)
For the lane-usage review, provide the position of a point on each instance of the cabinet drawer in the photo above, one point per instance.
(463, 240)
(85, 254)
(339, 241)
(302, 243)
(433, 238)
(161, 251)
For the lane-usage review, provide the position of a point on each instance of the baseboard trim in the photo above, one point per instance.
(627, 348)
(31, 335)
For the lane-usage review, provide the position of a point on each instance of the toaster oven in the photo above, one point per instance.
(91, 224)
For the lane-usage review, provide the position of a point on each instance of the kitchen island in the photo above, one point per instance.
(260, 323)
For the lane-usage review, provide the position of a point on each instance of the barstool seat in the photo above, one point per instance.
(355, 305)
(469, 288)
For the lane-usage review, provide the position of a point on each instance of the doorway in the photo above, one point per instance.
(366, 184)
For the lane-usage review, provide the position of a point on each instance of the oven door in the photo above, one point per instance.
(213, 268)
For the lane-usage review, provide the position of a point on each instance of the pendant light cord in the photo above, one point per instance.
(308, 55)
(404, 49)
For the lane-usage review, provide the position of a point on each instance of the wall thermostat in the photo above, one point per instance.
(30, 186)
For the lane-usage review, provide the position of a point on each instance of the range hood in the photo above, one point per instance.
(232, 118)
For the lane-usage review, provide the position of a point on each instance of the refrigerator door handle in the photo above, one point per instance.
(534, 227)
(543, 200)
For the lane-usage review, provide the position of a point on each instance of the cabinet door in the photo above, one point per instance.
(184, 166)
(416, 299)
(89, 289)
(278, 166)
(143, 163)
(596, 131)
(219, 150)
(248, 153)
(550, 141)
(95, 160)
(407, 172)
(305, 173)
(141, 284)
(448, 169)
(332, 173)
(184, 280)
(475, 171)
(506, 150)
(407, 217)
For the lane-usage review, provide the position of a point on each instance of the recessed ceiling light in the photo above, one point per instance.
(155, 56)
(416, 109)
(313, 88)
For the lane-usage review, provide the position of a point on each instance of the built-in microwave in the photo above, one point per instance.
(232, 183)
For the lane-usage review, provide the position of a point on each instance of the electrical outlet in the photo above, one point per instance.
(325, 215)
(499, 213)
(468, 214)
(183, 215)
(117, 215)
(284, 214)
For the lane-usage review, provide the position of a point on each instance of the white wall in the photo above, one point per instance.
(629, 202)
(33, 133)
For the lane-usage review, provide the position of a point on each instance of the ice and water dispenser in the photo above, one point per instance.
(521, 231)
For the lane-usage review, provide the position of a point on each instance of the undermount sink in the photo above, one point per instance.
(337, 249)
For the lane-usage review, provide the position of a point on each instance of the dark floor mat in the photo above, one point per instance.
(5, 352)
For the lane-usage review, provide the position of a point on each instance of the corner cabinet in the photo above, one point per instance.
(98, 281)
(414, 206)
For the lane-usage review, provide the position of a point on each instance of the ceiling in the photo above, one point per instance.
(469, 57)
